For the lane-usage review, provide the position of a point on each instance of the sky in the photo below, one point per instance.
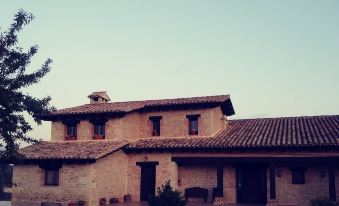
(275, 58)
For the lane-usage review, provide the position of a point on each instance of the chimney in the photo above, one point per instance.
(99, 97)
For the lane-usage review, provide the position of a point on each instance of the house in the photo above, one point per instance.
(125, 150)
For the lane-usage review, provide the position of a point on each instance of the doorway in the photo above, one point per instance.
(147, 183)
(251, 184)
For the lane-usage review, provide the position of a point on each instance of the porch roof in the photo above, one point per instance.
(72, 150)
(284, 133)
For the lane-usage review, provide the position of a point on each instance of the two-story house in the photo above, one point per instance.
(125, 150)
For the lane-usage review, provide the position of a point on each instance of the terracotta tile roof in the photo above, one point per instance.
(273, 133)
(124, 107)
(91, 149)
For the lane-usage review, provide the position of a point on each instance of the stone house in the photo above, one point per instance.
(125, 150)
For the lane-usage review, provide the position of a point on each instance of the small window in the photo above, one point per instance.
(298, 176)
(52, 177)
(99, 130)
(71, 131)
(155, 125)
(193, 124)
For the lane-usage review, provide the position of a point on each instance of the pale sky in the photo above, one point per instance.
(275, 58)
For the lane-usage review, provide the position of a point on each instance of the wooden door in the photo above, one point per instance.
(251, 184)
(147, 185)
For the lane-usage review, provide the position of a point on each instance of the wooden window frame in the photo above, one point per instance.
(57, 172)
(191, 118)
(155, 120)
(96, 130)
(75, 130)
(298, 176)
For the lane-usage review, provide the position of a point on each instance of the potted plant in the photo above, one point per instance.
(102, 201)
(113, 200)
(127, 198)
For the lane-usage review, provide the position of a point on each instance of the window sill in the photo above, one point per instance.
(99, 137)
(51, 185)
(71, 138)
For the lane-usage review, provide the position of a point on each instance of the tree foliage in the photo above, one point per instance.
(166, 196)
(14, 77)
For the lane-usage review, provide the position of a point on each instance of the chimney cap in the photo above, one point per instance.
(100, 94)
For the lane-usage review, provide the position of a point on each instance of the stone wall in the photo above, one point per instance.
(137, 125)
(109, 177)
(28, 184)
(300, 194)
(127, 127)
(117, 175)
(205, 177)
(58, 131)
(175, 123)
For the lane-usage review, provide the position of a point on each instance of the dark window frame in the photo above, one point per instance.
(56, 171)
(193, 121)
(298, 176)
(75, 133)
(100, 129)
(156, 127)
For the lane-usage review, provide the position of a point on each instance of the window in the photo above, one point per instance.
(71, 131)
(193, 124)
(298, 176)
(99, 130)
(52, 177)
(155, 125)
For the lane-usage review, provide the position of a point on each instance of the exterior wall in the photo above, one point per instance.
(205, 177)
(127, 127)
(175, 123)
(74, 184)
(166, 170)
(57, 131)
(85, 130)
(109, 178)
(137, 125)
(117, 175)
(230, 187)
(300, 194)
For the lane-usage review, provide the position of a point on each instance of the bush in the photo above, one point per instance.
(323, 202)
(166, 196)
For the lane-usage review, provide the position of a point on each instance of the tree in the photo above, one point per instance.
(166, 196)
(14, 103)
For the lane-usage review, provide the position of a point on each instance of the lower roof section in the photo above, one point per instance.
(71, 150)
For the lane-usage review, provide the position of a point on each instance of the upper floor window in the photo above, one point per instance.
(71, 131)
(52, 177)
(155, 125)
(193, 124)
(99, 131)
(298, 175)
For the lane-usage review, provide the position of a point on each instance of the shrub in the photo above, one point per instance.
(323, 202)
(166, 196)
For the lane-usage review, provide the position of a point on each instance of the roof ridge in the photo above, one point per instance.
(287, 117)
(146, 100)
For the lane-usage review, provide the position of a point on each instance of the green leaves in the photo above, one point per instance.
(166, 196)
(13, 78)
